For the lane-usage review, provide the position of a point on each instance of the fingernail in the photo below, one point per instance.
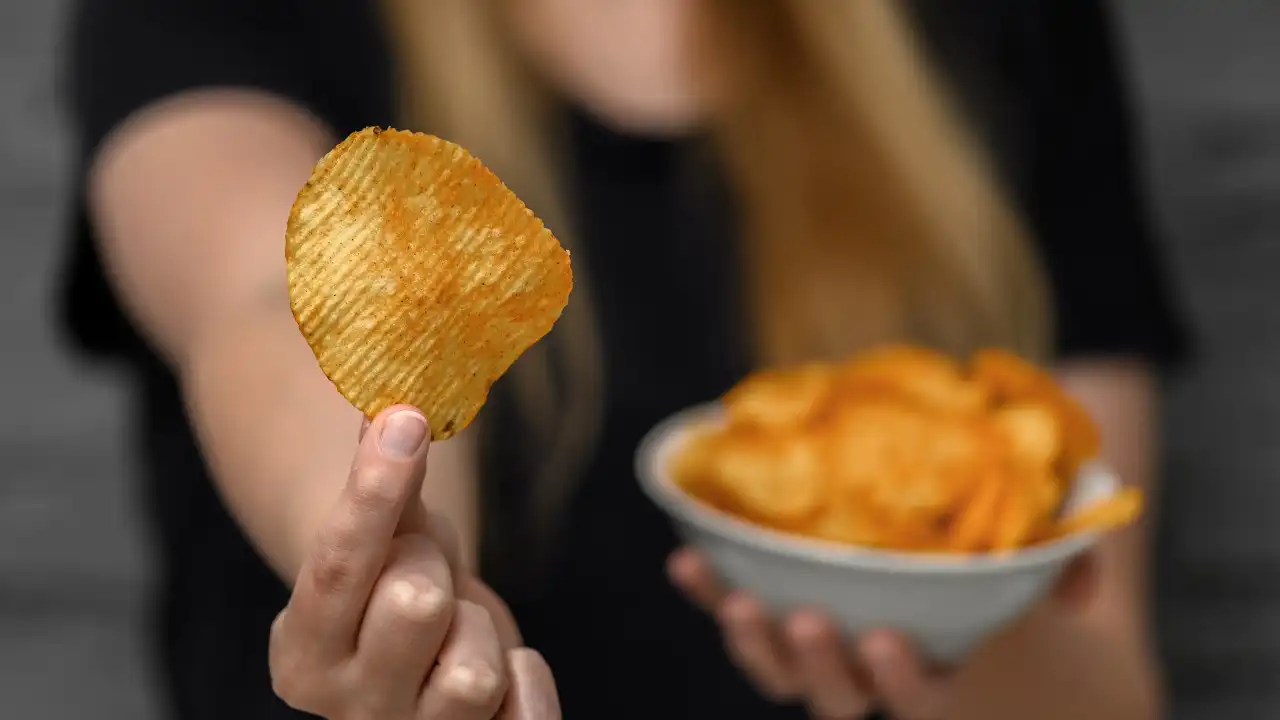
(403, 434)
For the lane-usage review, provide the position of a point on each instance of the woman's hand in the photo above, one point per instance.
(383, 623)
(803, 658)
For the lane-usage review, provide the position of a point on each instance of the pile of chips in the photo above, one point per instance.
(417, 277)
(902, 448)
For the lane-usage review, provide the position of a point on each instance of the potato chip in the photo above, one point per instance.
(1032, 432)
(775, 478)
(974, 527)
(901, 449)
(1019, 514)
(1114, 512)
(928, 378)
(697, 471)
(417, 277)
(1014, 380)
(779, 398)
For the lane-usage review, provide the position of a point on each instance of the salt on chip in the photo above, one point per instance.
(417, 277)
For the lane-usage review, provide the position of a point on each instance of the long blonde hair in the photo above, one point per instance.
(870, 213)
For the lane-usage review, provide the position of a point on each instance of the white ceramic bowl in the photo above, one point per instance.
(947, 604)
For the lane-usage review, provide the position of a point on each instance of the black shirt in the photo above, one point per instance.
(1041, 79)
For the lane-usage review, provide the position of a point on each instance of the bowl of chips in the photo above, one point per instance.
(898, 490)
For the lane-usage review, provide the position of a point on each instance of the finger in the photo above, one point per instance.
(824, 668)
(404, 627)
(1078, 582)
(445, 533)
(532, 694)
(504, 622)
(333, 587)
(471, 677)
(292, 668)
(364, 427)
(908, 688)
(418, 520)
(753, 646)
(692, 575)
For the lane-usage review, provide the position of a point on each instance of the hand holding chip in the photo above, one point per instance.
(384, 623)
(803, 658)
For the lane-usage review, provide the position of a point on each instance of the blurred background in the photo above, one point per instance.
(73, 567)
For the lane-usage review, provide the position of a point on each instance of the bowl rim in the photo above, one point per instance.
(657, 445)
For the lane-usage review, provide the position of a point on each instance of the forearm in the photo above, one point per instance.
(279, 438)
(1099, 662)
(1053, 667)
(190, 199)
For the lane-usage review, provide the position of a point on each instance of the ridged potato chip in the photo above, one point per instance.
(902, 448)
(417, 277)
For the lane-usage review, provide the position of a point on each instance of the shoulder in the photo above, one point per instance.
(1046, 85)
(325, 55)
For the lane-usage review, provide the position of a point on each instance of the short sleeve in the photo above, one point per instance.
(124, 55)
(1085, 200)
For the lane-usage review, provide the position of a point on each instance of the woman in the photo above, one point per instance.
(742, 182)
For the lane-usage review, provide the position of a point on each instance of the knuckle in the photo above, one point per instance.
(417, 601)
(278, 629)
(332, 571)
(375, 489)
(474, 683)
(292, 684)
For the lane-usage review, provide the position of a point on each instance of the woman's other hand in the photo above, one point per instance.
(804, 658)
(383, 623)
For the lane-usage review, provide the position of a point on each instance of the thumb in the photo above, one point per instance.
(379, 430)
(503, 621)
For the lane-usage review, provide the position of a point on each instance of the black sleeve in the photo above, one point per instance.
(326, 56)
(1084, 195)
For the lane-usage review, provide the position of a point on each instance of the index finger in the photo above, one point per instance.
(333, 587)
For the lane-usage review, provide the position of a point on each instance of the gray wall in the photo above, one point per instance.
(72, 565)
(1210, 79)
(72, 570)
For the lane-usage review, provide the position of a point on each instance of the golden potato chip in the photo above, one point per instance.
(971, 529)
(775, 478)
(1014, 380)
(1114, 512)
(696, 469)
(900, 449)
(417, 277)
(1032, 432)
(904, 461)
(1018, 515)
(928, 378)
(779, 398)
